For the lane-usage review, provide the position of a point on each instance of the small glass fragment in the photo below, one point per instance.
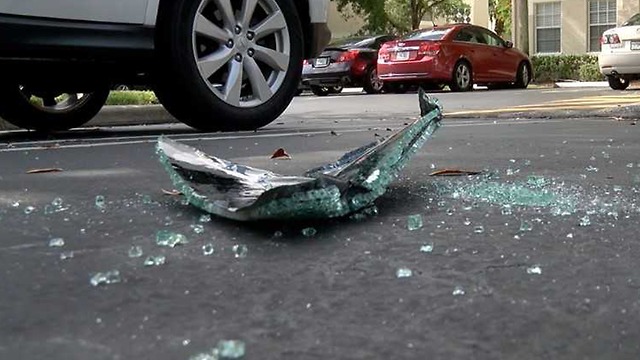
(106, 278)
(426, 248)
(585, 221)
(458, 291)
(170, 239)
(135, 252)
(56, 242)
(205, 218)
(49, 209)
(570, 236)
(525, 226)
(155, 260)
(15, 204)
(29, 209)
(197, 228)
(591, 168)
(57, 202)
(240, 251)
(208, 249)
(467, 222)
(309, 232)
(66, 255)
(534, 270)
(403, 273)
(630, 165)
(478, 229)
(100, 202)
(506, 209)
(231, 349)
(536, 181)
(414, 222)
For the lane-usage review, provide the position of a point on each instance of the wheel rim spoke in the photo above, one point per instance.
(258, 83)
(233, 86)
(210, 64)
(276, 60)
(207, 28)
(275, 22)
(248, 7)
(226, 11)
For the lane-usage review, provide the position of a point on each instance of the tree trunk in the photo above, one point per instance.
(520, 24)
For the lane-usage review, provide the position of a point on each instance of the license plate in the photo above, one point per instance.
(321, 62)
(402, 55)
(635, 45)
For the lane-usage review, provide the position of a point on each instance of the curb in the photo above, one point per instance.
(122, 115)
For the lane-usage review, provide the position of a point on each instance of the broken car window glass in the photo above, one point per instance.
(348, 185)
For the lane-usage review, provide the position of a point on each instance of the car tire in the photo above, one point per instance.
(320, 90)
(49, 112)
(462, 78)
(523, 76)
(220, 72)
(618, 83)
(372, 83)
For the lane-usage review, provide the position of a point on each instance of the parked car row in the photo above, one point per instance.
(457, 55)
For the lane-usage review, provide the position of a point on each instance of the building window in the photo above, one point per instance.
(602, 16)
(548, 27)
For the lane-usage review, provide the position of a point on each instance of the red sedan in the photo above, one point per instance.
(458, 55)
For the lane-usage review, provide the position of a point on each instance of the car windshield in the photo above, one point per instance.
(634, 21)
(360, 42)
(430, 34)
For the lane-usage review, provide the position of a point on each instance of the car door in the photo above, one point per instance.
(114, 11)
(502, 63)
(470, 45)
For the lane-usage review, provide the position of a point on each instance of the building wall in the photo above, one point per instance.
(341, 27)
(575, 23)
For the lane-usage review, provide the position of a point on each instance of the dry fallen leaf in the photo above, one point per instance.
(281, 154)
(453, 172)
(42, 171)
(171, 192)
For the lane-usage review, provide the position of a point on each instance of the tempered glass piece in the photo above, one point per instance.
(348, 185)
(106, 278)
(414, 222)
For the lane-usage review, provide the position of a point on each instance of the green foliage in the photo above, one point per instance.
(500, 11)
(399, 16)
(132, 98)
(549, 68)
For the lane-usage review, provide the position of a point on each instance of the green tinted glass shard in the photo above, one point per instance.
(350, 184)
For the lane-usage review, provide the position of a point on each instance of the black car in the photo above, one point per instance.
(347, 63)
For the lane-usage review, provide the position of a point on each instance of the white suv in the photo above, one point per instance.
(216, 65)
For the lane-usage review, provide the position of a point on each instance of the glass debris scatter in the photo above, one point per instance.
(585, 221)
(106, 278)
(231, 349)
(240, 251)
(56, 242)
(197, 228)
(135, 252)
(155, 260)
(414, 222)
(170, 239)
(346, 186)
(404, 273)
(534, 270)
(208, 249)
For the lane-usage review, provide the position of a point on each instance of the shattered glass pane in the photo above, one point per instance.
(106, 278)
(348, 185)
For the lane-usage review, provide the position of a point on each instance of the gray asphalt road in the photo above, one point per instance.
(535, 259)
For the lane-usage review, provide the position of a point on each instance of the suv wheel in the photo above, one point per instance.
(49, 111)
(228, 65)
(618, 83)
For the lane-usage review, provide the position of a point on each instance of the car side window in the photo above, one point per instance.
(492, 39)
(464, 35)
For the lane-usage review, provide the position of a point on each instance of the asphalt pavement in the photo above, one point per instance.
(534, 258)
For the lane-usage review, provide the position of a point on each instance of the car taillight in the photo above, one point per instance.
(610, 39)
(383, 53)
(348, 56)
(305, 62)
(429, 49)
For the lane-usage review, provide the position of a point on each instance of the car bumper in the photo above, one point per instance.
(424, 70)
(327, 79)
(622, 63)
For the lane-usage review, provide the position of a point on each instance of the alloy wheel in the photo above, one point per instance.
(463, 77)
(376, 83)
(241, 50)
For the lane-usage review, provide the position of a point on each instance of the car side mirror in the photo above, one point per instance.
(508, 44)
